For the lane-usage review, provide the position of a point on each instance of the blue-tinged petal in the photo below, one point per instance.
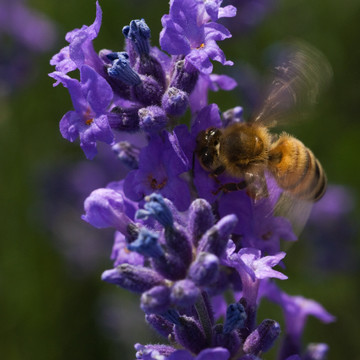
(227, 11)
(215, 53)
(74, 88)
(208, 116)
(68, 127)
(101, 129)
(91, 30)
(62, 62)
(223, 82)
(96, 89)
(172, 39)
(199, 58)
(217, 32)
(88, 144)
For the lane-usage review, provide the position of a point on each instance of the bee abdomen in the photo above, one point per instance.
(296, 169)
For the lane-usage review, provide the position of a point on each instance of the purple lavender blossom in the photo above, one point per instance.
(90, 98)
(80, 50)
(296, 309)
(159, 170)
(188, 32)
(180, 243)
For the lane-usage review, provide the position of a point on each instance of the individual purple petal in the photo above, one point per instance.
(223, 82)
(217, 32)
(98, 92)
(74, 88)
(62, 62)
(68, 127)
(227, 11)
(261, 267)
(171, 40)
(209, 116)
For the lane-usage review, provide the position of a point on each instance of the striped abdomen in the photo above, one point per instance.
(296, 169)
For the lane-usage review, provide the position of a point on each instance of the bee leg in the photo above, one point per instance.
(230, 187)
(218, 171)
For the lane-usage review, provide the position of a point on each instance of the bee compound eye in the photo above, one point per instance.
(207, 160)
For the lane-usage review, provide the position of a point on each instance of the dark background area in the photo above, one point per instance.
(53, 308)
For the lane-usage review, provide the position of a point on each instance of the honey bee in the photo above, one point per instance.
(246, 150)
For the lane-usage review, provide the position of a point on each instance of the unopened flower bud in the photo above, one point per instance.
(156, 208)
(159, 323)
(230, 341)
(175, 101)
(216, 238)
(205, 269)
(105, 208)
(155, 300)
(262, 338)
(184, 77)
(189, 334)
(152, 119)
(139, 34)
(235, 317)
(148, 91)
(147, 244)
(201, 219)
(184, 293)
(134, 278)
(122, 70)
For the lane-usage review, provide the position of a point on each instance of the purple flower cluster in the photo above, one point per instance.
(179, 243)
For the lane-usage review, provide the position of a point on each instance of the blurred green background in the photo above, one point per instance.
(50, 308)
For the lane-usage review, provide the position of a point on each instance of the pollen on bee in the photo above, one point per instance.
(201, 46)
(89, 121)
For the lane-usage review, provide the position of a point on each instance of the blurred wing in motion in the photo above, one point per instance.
(295, 210)
(303, 73)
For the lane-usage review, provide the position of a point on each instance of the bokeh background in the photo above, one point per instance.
(52, 302)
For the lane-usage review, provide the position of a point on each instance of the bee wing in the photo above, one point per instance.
(297, 83)
(295, 210)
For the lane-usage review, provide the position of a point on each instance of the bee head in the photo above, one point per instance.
(207, 148)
